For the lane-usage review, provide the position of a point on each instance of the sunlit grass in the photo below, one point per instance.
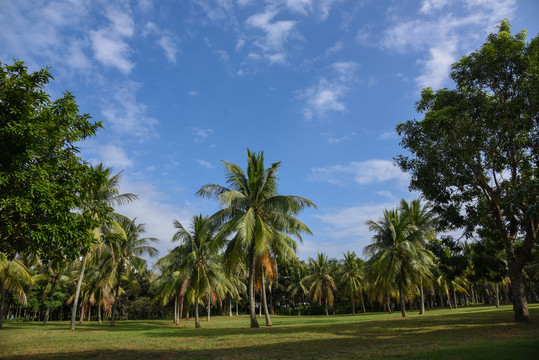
(478, 333)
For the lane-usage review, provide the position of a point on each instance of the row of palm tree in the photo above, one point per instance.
(246, 248)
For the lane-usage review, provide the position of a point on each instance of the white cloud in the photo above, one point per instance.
(201, 134)
(361, 172)
(326, 96)
(126, 115)
(386, 135)
(350, 224)
(110, 155)
(436, 31)
(169, 46)
(111, 50)
(276, 34)
(192, 93)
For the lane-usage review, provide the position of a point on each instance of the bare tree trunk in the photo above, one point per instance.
(77, 293)
(327, 314)
(237, 309)
(116, 296)
(455, 298)
(266, 313)
(180, 303)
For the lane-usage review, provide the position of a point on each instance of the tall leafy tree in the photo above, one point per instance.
(475, 154)
(41, 175)
(262, 220)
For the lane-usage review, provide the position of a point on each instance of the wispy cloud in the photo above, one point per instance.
(126, 115)
(361, 172)
(200, 135)
(326, 96)
(205, 164)
(110, 155)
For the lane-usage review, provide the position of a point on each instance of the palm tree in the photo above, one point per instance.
(128, 246)
(201, 263)
(322, 282)
(13, 276)
(351, 278)
(423, 220)
(395, 253)
(297, 286)
(52, 274)
(262, 220)
(100, 195)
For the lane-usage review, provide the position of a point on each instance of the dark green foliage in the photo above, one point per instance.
(40, 172)
(475, 154)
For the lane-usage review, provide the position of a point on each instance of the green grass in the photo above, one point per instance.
(467, 333)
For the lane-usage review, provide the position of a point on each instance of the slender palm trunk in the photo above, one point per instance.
(353, 305)
(252, 309)
(497, 296)
(401, 294)
(180, 302)
(209, 306)
(422, 307)
(116, 295)
(77, 293)
(449, 300)
(197, 320)
(175, 310)
(99, 305)
(4, 288)
(266, 313)
(326, 309)
(455, 298)
(47, 313)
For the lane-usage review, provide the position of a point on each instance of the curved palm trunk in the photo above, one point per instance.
(99, 305)
(47, 313)
(180, 302)
(363, 303)
(455, 298)
(197, 320)
(266, 313)
(77, 293)
(252, 308)
(422, 308)
(401, 294)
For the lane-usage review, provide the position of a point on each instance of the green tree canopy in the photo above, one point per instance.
(475, 154)
(40, 172)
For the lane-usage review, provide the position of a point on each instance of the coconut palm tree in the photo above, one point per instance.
(53, 273)
(262, 220)
(297, 285)
(13, 276)
(127, 247)
(395, 253)
(352, 278)
(101, 193)
(201, 262)
(323, 286)
(423, 221)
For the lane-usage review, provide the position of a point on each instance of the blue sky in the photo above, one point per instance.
(317, 84)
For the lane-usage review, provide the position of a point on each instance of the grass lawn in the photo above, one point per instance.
(469, 333)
